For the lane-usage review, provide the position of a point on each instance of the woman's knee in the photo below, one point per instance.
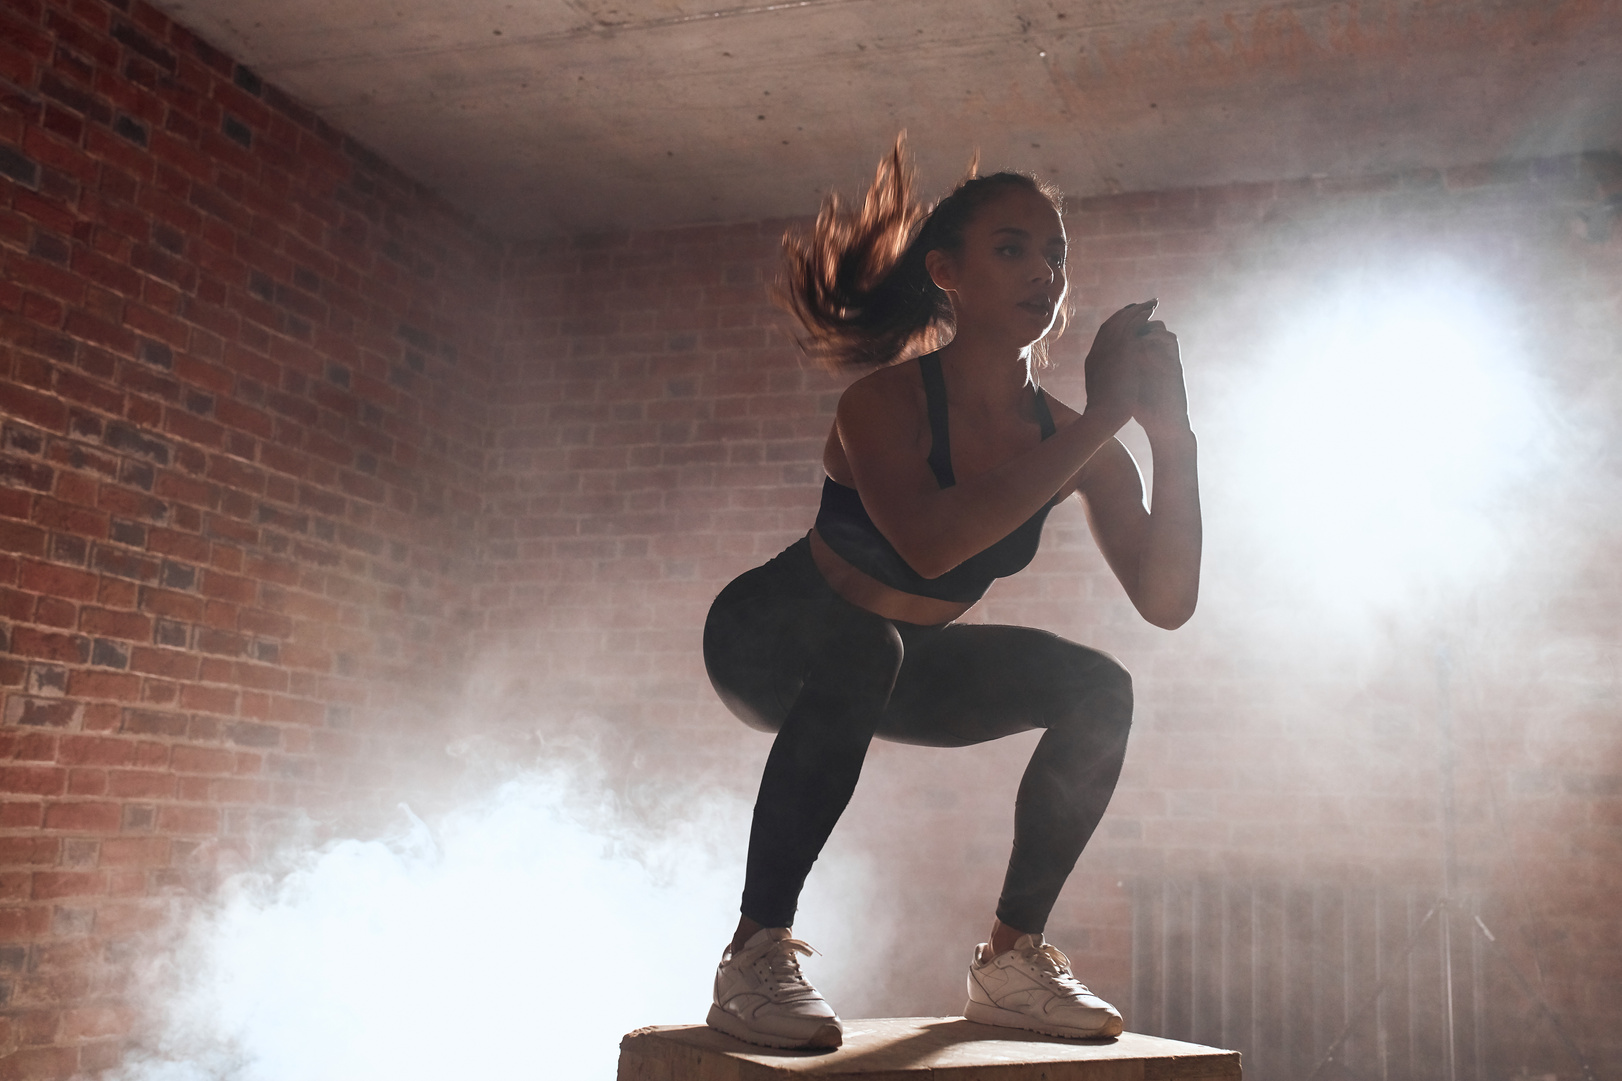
(1098, 687)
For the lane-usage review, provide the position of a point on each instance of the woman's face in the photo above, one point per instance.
(1007, 280)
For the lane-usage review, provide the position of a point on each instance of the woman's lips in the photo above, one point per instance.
(1038, 307)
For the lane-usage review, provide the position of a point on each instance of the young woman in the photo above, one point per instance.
(942, 466)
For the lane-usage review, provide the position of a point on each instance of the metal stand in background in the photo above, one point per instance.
(1444, 908)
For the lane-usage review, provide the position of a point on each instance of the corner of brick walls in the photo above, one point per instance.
(243, 375)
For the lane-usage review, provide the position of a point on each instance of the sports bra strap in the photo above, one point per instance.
(1044, 416)
(940, 448)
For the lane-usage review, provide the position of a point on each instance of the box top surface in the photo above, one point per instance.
(907, 1044)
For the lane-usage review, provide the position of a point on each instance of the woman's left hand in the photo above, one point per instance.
(1154, 551)
(1162, 406)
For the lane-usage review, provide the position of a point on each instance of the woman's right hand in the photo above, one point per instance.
(1112, 365)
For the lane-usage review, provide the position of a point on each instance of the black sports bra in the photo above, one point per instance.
(847, 528)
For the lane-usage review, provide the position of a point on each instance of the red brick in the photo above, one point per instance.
(100, 716)
(15, 503)
(57, 581)
(20, 539)
(25, 746)
(37, 409)
(171, 605)
(174, 819)
(87, 782)
(120, 920)
(173, 663)
(112, 593)
(69, 518)
(239, 791)
(140, 784)
(106, 273)
(150, 852)
(26, 851)
(184, 547)
(33, 780)
(55, 612)
(92, 817)
(21, 814)
(40, 1064)
(202, 760)
(45, 645)
(110, 624)
(117, 686)
(51, 885)
(230, 587)
(15, 885)
(217, 700)
(95, 750)
(297, 711)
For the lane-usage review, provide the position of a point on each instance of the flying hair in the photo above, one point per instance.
(856, 279)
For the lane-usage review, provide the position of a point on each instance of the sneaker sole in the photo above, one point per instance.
(986, 1014)
(826, 1038)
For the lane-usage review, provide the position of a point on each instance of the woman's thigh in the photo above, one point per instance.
(776, 629)
(757, 643)
(969, 683)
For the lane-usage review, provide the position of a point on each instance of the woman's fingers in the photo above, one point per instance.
(1162, 397)
(1131, 316)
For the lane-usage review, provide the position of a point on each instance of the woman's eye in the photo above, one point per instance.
(1011, 250)
(1056, 260)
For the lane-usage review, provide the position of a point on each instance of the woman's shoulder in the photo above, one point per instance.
(894, 385)
(889, 400)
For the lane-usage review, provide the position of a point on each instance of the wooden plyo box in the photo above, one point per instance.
(921, 1049)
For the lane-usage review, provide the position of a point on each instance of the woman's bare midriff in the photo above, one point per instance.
(864, 591)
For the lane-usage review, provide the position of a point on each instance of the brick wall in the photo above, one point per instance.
(242, 381)
(657, 433)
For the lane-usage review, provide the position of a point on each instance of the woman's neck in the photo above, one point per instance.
(986, 371)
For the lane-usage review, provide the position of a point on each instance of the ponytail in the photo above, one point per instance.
(856, 281)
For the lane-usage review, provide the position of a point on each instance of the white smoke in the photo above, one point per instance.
(522, 935)
(1379, 457)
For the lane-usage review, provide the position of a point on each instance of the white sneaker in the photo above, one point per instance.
(1031, 987)
(761, 997)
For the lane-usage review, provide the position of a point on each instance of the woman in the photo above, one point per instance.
(941, 469)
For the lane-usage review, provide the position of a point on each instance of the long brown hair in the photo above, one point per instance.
(856, 280)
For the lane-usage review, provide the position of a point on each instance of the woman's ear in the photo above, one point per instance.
(942, 269)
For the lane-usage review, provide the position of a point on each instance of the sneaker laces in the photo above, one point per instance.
(1054, 966)
(784, 966)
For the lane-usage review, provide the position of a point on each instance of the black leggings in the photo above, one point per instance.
(789, 655)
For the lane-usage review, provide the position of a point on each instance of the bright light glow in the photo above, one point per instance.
(521, 938)
(1374, 451)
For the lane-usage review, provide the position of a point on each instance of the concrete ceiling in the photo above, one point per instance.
(540, 117)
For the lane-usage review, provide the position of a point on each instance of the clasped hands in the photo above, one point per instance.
(1134, 372)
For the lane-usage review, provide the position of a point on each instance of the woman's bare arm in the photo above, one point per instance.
(1155, 552)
